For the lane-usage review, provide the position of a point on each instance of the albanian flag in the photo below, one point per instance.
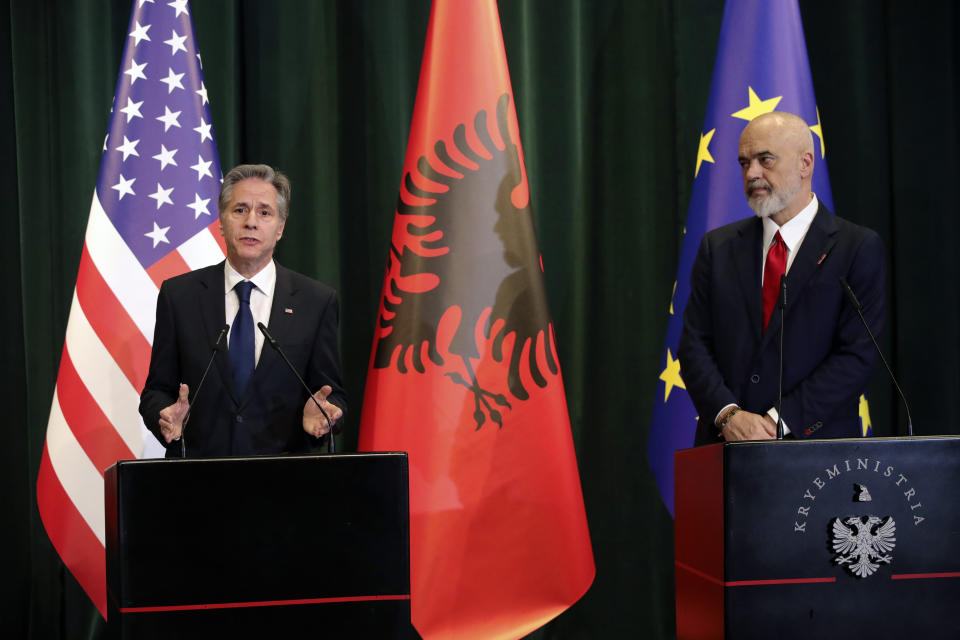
(463, 372)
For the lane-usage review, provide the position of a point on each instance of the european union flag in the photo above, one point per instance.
(761, 67)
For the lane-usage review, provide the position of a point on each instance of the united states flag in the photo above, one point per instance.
(153, 215)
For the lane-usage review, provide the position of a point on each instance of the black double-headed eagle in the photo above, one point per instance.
(476, 250)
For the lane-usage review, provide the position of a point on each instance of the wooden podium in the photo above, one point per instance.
(856, 538)
(299, 546)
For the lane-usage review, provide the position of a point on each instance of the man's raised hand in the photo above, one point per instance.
(171, 418)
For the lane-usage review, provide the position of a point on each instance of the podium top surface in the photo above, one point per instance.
(257, 459)
(825, 442)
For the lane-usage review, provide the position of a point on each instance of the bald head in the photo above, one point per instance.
(776, 158)
(789, 128)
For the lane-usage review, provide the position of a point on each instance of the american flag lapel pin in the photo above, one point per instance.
(288, 310)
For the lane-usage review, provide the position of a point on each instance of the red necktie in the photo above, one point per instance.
(775, 267)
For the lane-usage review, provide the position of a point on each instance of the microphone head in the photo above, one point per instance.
(218, 345)
(266, 334)
(849, 292)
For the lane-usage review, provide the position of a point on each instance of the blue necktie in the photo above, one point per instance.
(242, 350)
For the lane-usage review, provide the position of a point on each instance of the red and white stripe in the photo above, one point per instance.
(93, 418)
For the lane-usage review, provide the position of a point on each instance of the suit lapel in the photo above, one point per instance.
(280, 324)
(817, 244)
(745, 256)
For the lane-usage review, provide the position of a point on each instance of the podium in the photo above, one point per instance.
(296, 546)
(853, 538)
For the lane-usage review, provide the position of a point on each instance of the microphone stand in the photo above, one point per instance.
(331, 447)
(856, 305)
(783, 307)
(196, 394)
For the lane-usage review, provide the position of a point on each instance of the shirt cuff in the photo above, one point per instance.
(773, 414)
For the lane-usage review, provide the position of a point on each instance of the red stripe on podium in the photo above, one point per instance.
(924, 576)
(260, 603)
(701, 574)
(752, 583)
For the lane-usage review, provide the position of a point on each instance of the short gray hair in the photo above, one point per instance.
(263, 172)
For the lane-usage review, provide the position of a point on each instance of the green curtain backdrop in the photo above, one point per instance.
(610, 97)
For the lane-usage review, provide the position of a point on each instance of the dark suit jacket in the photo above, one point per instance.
(727, 358)
(267, 419)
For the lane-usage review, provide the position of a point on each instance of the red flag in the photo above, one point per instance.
(464, 374)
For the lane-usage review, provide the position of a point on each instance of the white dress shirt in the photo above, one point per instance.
(793, 232)
(261, 299)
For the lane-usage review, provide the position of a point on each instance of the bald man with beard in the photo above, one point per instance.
(729, 347)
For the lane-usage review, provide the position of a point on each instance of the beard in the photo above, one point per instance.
(775, 201)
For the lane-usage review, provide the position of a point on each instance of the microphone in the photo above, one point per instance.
(856, 305)
(331, 447)
(196, 394)
(783, 307)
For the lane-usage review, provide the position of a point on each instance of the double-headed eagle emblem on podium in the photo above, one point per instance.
(863, 543)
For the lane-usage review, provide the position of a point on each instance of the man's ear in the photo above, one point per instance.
(806, 163)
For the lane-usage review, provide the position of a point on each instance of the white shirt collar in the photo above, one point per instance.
(794, 230)
(265, 280)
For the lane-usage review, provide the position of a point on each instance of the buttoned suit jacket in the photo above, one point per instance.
(267, 418)
(726, 357)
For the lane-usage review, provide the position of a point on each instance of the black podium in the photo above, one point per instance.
(855, 538)
(285, 547)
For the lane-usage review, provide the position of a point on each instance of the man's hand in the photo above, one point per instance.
(744, 425)
(171, 418)
(313, 421)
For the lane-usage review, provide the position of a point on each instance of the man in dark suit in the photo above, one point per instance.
(251, 403)
(729, 346)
